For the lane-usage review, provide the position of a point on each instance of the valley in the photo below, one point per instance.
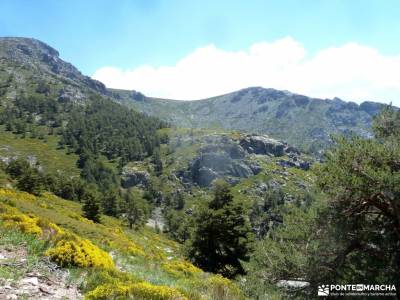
(232, 197)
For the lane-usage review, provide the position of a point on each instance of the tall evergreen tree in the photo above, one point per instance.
(158, 165)
(18, 167)
(222, 236)
(351, 232)
(110, 203)
(31, 181)
(91, 206)
(136, 209)
(361, 178)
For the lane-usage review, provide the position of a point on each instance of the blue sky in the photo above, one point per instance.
(127, 35)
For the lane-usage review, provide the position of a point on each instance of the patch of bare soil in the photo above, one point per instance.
(46, 281)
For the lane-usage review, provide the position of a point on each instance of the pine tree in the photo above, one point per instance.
(158, 165)
(110, 203)
(222, 236)
(31, 181)
(361, 178)
(136, 209)
(179, 201)
(18, 167)
(91, 207)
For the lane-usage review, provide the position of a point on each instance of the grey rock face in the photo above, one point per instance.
(204, 176)
(224, 158)
(43, 59)
(231, 159)
(304, 165)
(209, 166)
(261, 144)
(71, 94)
(131, 177)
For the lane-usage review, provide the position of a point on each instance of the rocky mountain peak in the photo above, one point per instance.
(23, 49)
(44, 60)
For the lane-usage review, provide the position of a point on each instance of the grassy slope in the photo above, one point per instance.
(45, 150)
(144, 255)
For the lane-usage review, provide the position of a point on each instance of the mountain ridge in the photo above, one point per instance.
(300, 120)
(37, 55)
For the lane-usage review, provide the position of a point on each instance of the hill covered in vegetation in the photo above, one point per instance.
(302, 121)
(100, 201)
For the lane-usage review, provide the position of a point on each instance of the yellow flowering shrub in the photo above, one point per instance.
(96, 277)
(16, 194)
(13, 218)
(152, 253)
(223, 288)
(49, 196)
(43, 205)
(50, 230)
(108, 291)
(69, 248)
(126, 246)
(25, 223)
(117, 230)
(142, 290)
(79, 252)
(135, 250)
(181, 268)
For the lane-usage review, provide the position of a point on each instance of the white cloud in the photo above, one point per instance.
(351, 72)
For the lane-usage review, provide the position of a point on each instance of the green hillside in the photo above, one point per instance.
(300, 120)
(109, 194)
(44, 150)
(142, 263)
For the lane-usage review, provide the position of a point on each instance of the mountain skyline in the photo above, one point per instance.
(303, 121)
(197, 50)
(351, 71)
(268, 189)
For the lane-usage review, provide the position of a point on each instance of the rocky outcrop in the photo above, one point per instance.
(42, 58)
(262, 144)
(233, 158)
(31, 159)
(224, 158)
(71, 94)
(304, 165)
(46, 281)
(131, 176)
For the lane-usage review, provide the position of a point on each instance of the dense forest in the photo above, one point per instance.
(98, 130)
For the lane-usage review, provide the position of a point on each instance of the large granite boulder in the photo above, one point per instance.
(131, 176)
(304, 165)
(209, 166)
(262, 144)
(225, 159)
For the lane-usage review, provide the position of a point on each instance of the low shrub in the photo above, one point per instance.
(96, 277)
(5, 193)
(181, 268)
(142, 290)
(74, 251)
(25, 223)
(223, 288)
